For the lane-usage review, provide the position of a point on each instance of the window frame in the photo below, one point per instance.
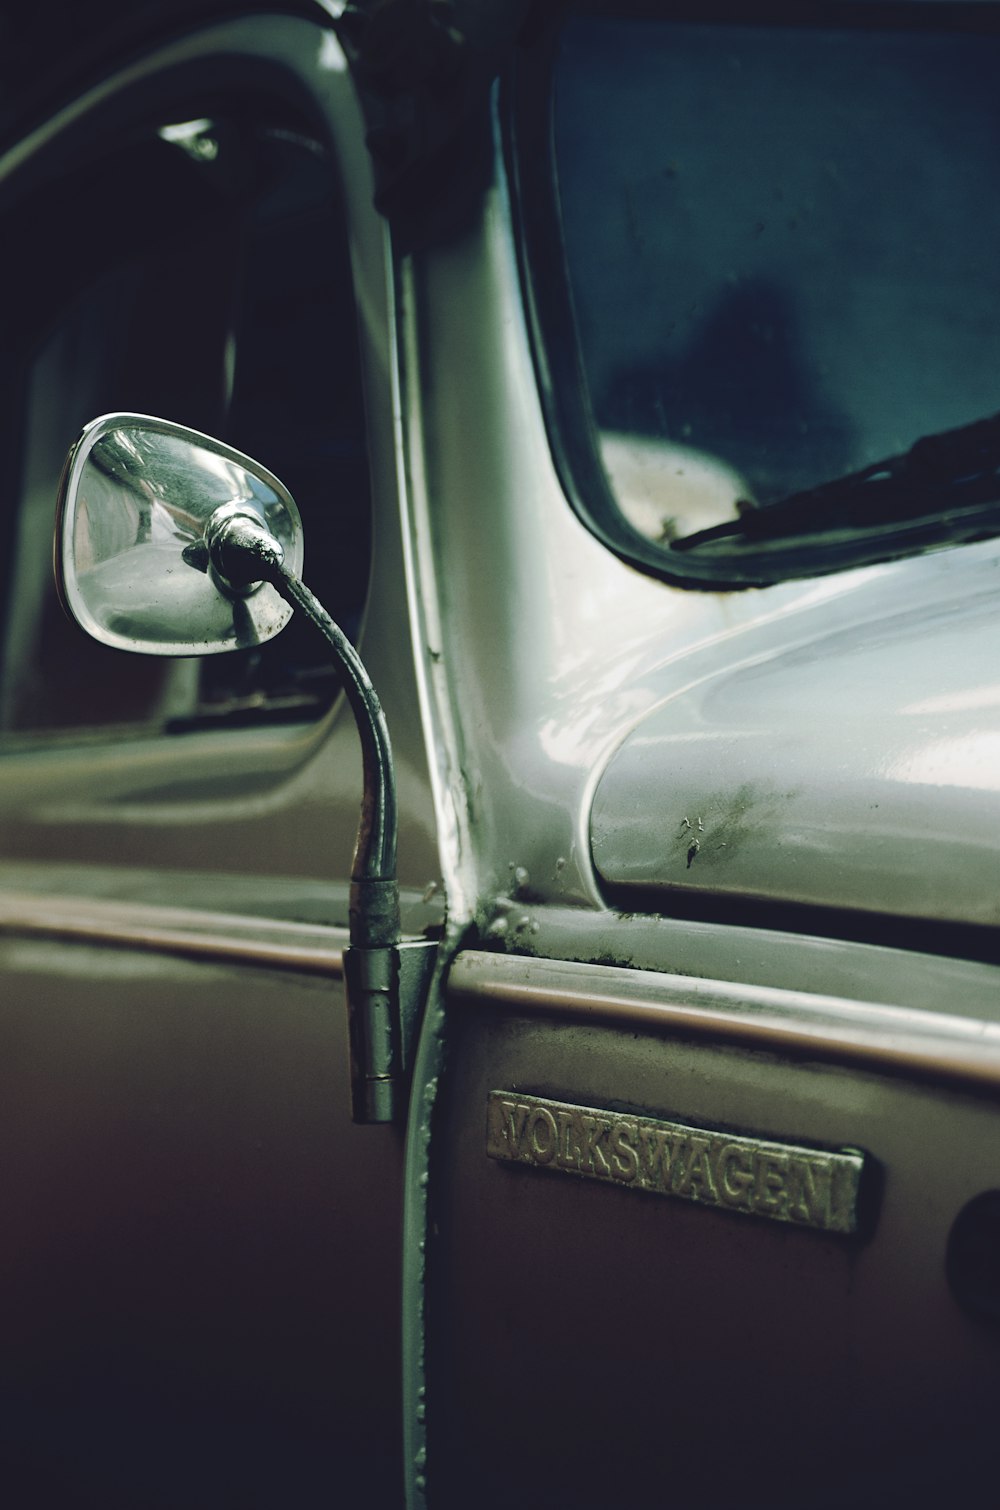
(526, 120)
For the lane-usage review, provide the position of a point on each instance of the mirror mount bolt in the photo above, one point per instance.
(242, 550)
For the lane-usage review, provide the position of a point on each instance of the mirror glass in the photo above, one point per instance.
(135, 497)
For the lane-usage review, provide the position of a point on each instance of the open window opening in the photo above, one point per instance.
(189, 262)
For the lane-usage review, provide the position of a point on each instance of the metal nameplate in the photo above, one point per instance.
(804, 1186)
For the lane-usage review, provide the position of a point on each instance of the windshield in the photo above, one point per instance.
(783, 253)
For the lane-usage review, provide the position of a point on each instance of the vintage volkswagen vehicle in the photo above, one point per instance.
(631, 417)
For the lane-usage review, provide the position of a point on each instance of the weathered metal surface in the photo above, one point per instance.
(576, 1281)
(730, 1171)
(860, 706)
(532, 675)
(848, 760)
(521, 682)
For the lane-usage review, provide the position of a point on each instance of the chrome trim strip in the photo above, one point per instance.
(244, 940)
(773, 1020)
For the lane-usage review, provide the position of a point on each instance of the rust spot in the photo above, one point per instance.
(727, 823)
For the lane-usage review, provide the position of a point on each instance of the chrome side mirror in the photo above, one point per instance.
(171, 543)
(139, 502)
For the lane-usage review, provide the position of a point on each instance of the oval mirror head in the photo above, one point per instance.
(136, 500)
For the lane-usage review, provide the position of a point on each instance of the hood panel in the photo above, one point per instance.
(858, 769)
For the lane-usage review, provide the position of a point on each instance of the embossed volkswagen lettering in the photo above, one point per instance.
(804, 1186)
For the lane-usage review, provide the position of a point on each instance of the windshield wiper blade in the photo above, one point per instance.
(954, 469)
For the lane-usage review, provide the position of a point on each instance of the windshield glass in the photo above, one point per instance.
(783, 251)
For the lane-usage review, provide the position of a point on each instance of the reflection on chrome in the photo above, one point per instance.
(137, 497)
(970, 760)
(193, 137)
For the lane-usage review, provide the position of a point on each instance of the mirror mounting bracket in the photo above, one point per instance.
(244, 554)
